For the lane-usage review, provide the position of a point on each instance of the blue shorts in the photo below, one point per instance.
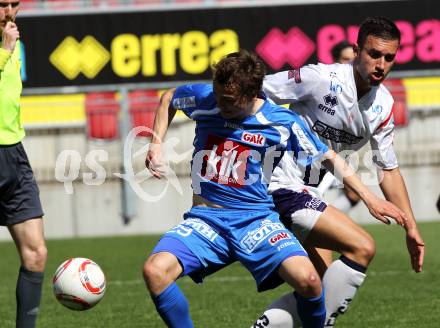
(210, 239)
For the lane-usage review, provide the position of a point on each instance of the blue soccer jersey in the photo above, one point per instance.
(233, 159)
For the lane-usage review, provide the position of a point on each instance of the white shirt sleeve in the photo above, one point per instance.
(382, 145)
(289, 86)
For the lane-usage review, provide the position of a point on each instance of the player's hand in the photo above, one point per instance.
(154, 160)
(416, 248)
(383, 210)
(10, 36)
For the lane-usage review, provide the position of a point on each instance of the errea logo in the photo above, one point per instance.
(255, 139)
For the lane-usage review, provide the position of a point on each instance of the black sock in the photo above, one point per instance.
(28, 294)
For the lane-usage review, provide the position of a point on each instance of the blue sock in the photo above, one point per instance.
(173, 307)
(311, 311)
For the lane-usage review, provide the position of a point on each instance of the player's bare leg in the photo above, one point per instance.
(29, 240)
(307, 301)
(336, 231)
(321, 259)
(160, 272)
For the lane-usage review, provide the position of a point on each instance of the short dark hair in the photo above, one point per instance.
(337, 49)
(240, 72)
(379, 27)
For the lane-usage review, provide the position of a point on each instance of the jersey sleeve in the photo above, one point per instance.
(195, 100)
(4, 56)
(382, 145)
(306, 147)
(289, 86)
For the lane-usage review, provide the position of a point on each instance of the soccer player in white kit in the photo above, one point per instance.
(346, 106)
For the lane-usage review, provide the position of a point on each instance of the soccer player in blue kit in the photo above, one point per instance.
(240, 138)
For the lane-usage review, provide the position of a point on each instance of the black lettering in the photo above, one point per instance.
(335, 135)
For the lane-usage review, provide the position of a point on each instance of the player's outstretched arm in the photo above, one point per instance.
(394, 189)
(379, 208)
(164, 115)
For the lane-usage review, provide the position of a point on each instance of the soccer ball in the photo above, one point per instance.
(79, 284)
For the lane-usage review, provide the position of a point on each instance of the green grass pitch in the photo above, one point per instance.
(392, 295)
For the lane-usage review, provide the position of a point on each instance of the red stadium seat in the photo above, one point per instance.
(62, 4)
(400, 108)
(143, 104)
(102, 111)
(30, 5)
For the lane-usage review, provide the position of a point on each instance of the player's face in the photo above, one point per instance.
(231, 104)
(375, 59)
(8, 12)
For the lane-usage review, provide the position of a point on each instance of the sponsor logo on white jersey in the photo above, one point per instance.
(255, 237)
(339, 136)
(335, 87)
(330, 100)
(255, 139)
(377, 109)
(326, 109)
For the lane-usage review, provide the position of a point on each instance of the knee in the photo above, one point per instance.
(309, 284)
(157, 274)
(34, 257)
(366, 249)
(153, 270)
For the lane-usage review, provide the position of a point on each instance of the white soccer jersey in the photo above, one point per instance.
(325, 97)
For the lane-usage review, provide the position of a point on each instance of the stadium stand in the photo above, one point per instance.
(102, 109)
(142, 108)
(400, 108)
(33, 5)
(102, 112)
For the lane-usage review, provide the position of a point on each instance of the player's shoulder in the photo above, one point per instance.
(385, 99)
(279, 115)
(191, 96)
(384, 93)
(382, 106)
(318, 71)
(324, 73)
(341, 73)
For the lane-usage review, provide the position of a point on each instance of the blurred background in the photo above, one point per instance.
(94, 69)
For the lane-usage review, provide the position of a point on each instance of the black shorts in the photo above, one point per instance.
(19, 194)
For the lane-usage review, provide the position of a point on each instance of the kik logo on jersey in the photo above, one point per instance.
(226, 161)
